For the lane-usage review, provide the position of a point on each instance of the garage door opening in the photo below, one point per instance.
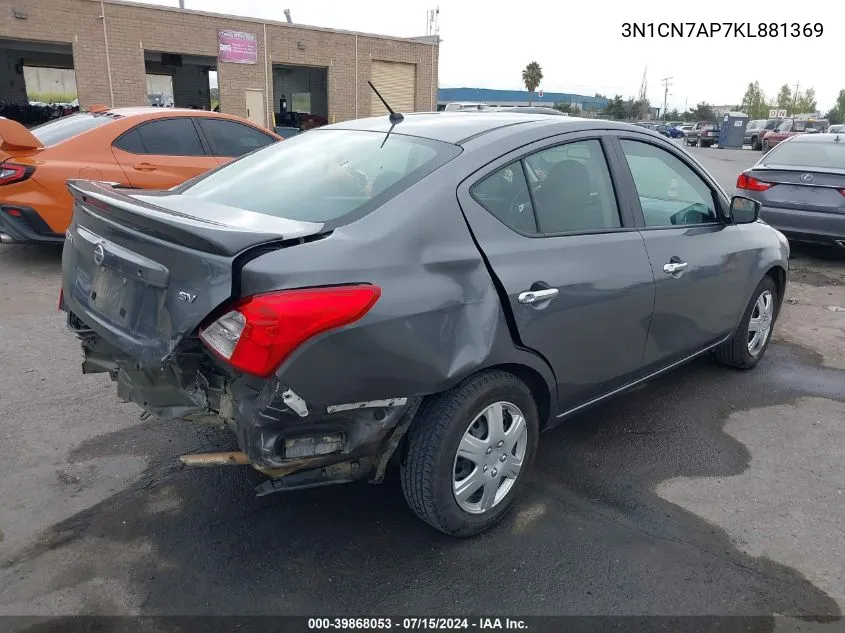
(36, 72)
(397, 83)
(300, 96)
(181, 81)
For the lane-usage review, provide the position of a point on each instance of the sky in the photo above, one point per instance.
(581, 48)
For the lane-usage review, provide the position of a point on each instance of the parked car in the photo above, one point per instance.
(440, 311)
(458, 106)
(702, 134)
(671, 132)
(792, 127)
(525, 110)
(755, 130)
(145, 148)
(801, 185)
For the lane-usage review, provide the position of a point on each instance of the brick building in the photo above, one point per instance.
(115, 48)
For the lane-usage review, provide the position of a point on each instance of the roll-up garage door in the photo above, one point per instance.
(397, 83)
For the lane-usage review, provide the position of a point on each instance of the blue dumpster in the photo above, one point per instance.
(732, 131)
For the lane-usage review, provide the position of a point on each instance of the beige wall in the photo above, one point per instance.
(130, 29)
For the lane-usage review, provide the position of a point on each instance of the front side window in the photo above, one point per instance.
(785, 126)
(325, 176)
(670, 192)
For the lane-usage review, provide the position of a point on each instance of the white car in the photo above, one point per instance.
(836, 129)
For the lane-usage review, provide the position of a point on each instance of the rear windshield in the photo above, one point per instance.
(66, 127)
(814, 154)
(326, 176)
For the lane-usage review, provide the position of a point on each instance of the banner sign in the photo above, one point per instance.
(237, 47)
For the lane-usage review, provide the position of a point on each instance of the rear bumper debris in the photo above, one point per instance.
(278, 432)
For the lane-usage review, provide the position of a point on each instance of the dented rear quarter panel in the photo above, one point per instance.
(439, 317)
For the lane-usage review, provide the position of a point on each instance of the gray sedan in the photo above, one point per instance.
(431, 290)
(801, 185)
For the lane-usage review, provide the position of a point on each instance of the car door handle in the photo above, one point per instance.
(538, 296)
(144, 167)
(674, 267)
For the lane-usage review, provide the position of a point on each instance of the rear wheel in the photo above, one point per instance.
(468, 453)
(765, 146)
(751, 339)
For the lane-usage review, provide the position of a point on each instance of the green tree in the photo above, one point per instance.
(532, 75)
(641, 109)
(568, 108)
(754, 102)
(702, 112)
(806, 101)
(837, 113)
(785, 98)
(615, 108)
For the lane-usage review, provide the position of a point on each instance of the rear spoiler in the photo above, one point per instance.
(13, 135)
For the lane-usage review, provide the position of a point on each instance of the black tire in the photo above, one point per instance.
(755, 143)
(428, 464)
(764, 146)
(734, 352)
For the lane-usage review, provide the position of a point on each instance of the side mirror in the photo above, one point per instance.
(744, 210)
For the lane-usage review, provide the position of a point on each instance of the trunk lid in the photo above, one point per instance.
(822, 193)
(143, 270)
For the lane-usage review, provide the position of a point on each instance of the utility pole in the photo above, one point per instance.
(795, 98)
(181, 4)
(666, 83)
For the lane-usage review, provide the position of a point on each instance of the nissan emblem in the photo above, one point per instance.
(99, 254)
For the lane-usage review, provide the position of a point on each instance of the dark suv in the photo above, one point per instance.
(756, 129)
(703, 134)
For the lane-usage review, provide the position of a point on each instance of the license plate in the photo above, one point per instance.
(125, 302)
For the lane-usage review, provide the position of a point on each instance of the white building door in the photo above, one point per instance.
(256, 107)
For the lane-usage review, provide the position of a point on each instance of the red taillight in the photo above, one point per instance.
(260, 332)
(842, 191)
(12, 211)
(12, 172)
(61, 298)
(752, 184)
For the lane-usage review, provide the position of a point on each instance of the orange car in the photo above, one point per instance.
(146, 148)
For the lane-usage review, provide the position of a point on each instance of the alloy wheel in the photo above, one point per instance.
(489, 457)
(760, 323)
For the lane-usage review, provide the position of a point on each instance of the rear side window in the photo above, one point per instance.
(325, 176)
(68, 127)
(232, 139)
(165, 137)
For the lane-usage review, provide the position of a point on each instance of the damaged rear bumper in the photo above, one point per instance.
(292, 441)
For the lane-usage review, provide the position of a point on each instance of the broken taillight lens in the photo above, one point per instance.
(258, 333)
(751, 184)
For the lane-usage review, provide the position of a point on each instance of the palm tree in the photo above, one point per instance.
(531, 77)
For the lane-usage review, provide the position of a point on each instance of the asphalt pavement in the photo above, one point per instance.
(708, 491)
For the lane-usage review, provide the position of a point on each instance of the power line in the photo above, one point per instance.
(666, 83)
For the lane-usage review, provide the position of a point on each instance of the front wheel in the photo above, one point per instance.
(468, 453)
(751, 339)
(765, 146)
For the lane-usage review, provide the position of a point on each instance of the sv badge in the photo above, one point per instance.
(187, 296)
